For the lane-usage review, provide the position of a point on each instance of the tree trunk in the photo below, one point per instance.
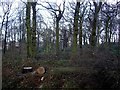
(98, 35)
(20, 40)
(57, 37)
(84, 39)
(75, 27)
(110, 33)
(29, 50)
(94, 24)
(80, 34)
(5, 42)
(2, 27)
(38, 40)
(65, 39)
(23, 28)
(119, 34)
(70, 36)
(34, 45)
(93, 37)
(106, 31)
(119, 42)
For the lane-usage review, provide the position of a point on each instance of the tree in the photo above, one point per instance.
(3, 18)
(81, 17)
(6, 27)
(58, 15)
(118, 23)
(6, 12)
(75, 27)
(34, 46)
(28, 26)
(94, 23)
(109, 20)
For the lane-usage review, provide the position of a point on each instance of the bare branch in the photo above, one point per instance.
(23, 2)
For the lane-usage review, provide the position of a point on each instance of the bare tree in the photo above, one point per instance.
(28, 26)
(75, 27)
(97, 7)
(81, 20)
(6, 12)
(34, 45)
(58, 15)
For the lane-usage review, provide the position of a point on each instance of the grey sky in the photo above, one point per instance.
(44, 12)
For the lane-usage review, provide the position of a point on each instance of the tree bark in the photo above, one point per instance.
(23, 28)
(75, 27)
(106, 31)
(80, 34)
(65, 39)
(57, 37)
(34, 45)
(5, 42)
(94, 24)
(2, 26)
(29, 50)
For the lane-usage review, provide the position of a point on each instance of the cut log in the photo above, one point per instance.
(40, 70)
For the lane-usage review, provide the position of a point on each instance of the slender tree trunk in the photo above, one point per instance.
(29, 50)
(98, 34)
(119, 34)
(119, 41)
(93, 37)
(80, 34)
(110, 35)
(70, 35)
(38, 41)
(23, 28)
(106, 31)
(14, 33)
(57, 37)
(94, 24)
(20, 42)
(2, 26)
(75, 27)
(34, 45)
(5, 40)
(84, 39)
(65, 39)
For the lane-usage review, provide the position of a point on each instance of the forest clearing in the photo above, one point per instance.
(96, 71)
(60, 44)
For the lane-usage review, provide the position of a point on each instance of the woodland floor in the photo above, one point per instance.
(88, 72)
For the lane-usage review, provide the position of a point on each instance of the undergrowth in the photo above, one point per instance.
(89, 69)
